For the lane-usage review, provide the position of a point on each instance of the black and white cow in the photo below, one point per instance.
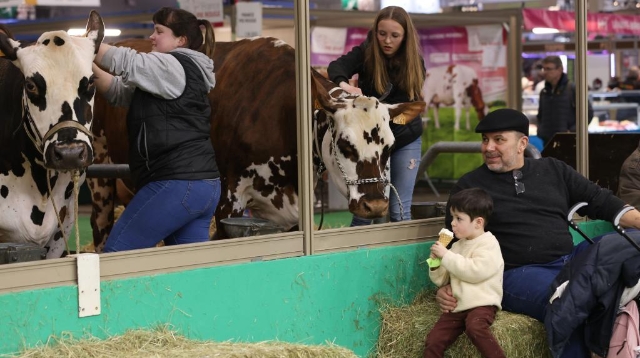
(46, 110)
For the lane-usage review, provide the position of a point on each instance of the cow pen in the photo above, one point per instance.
(306, 286)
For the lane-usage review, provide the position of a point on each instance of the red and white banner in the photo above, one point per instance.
(596, 22)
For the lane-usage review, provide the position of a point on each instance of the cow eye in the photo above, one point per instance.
(30, 86)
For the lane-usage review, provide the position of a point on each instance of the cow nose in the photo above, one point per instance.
(68, 156)
(367, 208)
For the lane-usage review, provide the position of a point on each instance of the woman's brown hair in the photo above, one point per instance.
(407, 60)
(184, 23)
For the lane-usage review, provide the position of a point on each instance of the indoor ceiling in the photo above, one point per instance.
(138, 23)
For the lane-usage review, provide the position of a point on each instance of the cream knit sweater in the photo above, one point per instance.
(474, 268)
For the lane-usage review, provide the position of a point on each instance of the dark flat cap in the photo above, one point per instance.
(504, 119)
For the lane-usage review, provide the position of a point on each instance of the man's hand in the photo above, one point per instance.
(444, 297)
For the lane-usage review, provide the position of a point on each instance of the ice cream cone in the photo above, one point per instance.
(445, 237)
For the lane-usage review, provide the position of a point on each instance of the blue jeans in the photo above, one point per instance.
(176, 211)
(527, 290)
(404, 170)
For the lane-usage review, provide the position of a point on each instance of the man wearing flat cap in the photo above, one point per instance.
(532, 198)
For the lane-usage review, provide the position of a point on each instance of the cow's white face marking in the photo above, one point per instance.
(58, 82)
(362, 134)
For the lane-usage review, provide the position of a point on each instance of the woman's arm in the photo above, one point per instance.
(102, 79)
(101, 51)
(344, 67)
(112, 88)
(157, 73)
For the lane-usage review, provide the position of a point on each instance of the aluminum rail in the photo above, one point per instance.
(458, 147)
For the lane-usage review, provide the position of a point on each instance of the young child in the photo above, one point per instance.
(474, 267)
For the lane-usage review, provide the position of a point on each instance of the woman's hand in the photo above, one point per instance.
(444, 298)
(101, 79)
(349, 88)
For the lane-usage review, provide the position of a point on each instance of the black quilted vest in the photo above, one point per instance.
(169, 139)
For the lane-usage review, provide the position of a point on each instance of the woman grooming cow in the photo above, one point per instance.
(171, 157)
(390, 55)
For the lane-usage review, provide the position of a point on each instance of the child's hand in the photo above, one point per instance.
(438, 250)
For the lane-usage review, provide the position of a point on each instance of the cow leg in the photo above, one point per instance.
(468, 123)
(56, 246)
(436, 120)
(228, 206)
(103, 203)
(457, 111)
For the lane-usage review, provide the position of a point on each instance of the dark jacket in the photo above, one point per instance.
(597, 277)
(557, 109)
(629, 180)
(347, 65)
(169, 139)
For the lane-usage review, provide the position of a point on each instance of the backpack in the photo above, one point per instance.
(625, 340)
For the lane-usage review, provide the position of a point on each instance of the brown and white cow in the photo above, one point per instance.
(253, 130)
(46, 101)
(455, 85)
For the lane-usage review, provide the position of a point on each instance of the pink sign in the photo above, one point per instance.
(596, 22)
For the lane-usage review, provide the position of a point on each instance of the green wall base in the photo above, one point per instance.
(310, 300)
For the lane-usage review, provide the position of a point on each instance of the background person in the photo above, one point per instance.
(532, 198)
(474, 268)
(390, 55)
(629, 180)
(557, 103)
(171, 157)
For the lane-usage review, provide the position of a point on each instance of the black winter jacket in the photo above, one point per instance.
(557, 109)
(597, 276)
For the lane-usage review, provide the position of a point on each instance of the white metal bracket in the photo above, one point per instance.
(88, 266)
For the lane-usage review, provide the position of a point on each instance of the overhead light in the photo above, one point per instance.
(544, 30)
(107, 32)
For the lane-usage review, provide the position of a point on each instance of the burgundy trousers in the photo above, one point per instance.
(474, 322)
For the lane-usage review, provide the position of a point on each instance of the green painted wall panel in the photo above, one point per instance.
(311, 300)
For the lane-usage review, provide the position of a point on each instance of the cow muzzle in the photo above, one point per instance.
(68, 156)
(369, 208)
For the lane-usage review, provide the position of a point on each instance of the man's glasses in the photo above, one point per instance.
(517, 175)
(549, 68)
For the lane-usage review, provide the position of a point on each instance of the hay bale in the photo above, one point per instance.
(164, 342)
(404, 330)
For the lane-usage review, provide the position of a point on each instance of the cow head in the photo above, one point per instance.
(474, 92)
(58, 92)
(357, 145)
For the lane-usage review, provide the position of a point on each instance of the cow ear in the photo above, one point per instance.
(320, 95)
(9, 47)
(404, 113)
(95, 29)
